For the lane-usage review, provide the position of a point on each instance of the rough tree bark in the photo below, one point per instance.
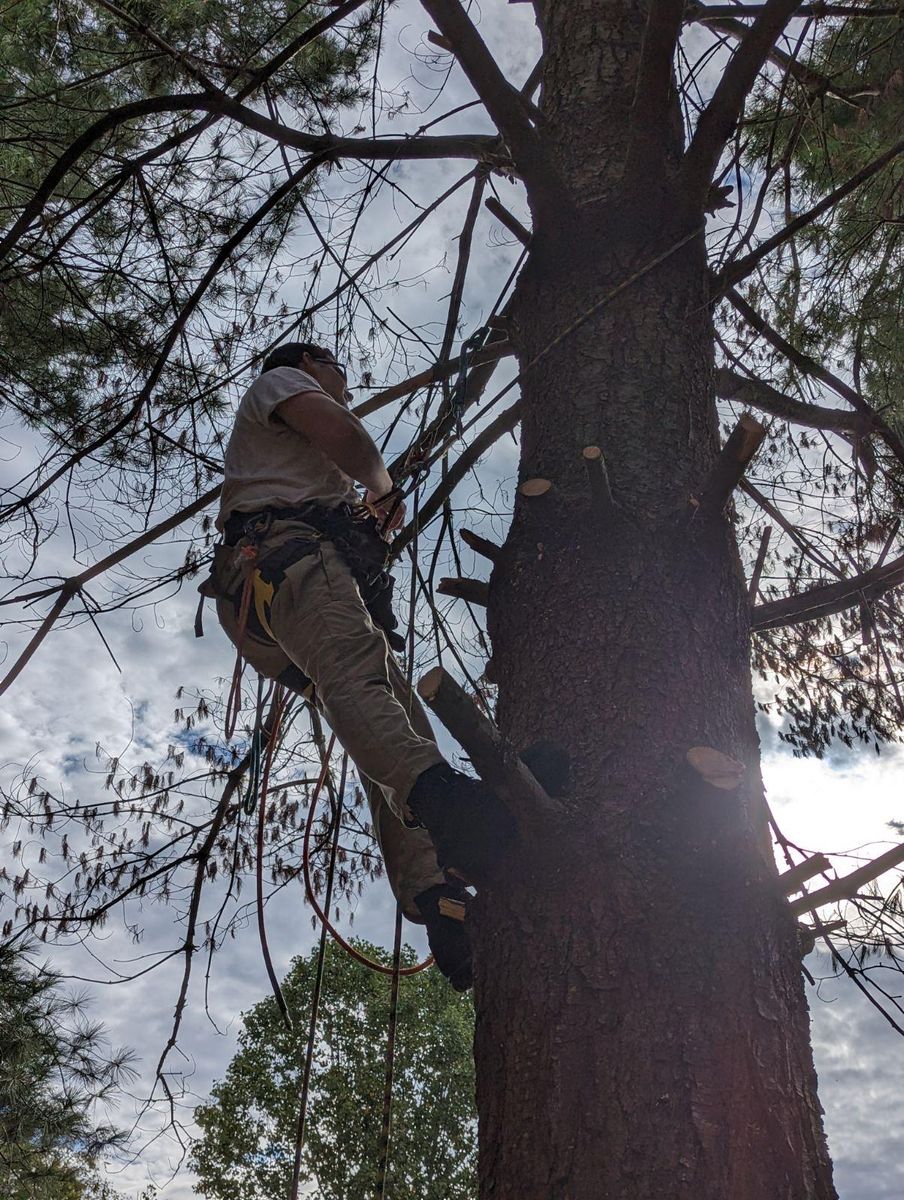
(642, 1027)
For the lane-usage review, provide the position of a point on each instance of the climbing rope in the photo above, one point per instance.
(279, 702)
(318, 973)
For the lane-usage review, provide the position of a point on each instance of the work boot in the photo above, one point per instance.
(469, 825)
(447, 934)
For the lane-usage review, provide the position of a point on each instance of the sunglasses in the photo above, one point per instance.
(331, 362)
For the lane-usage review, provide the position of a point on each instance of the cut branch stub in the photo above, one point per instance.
(535, 487)
(438, 40)
(793, 879)
(480, 545)
(598, 478)
(743, 442)
(848, 886)
(495, 760)
(509, 220)
(718, 769)
(475, 591)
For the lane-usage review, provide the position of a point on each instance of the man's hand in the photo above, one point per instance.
(389, 506)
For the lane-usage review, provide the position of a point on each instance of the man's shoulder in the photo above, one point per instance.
(285, 381)
(269, 390)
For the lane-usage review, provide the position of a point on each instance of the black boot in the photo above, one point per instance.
(470, 826)
(447, 934)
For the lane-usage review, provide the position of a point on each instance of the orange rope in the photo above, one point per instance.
(309, 890)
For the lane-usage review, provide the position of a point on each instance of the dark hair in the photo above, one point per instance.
(289, 354)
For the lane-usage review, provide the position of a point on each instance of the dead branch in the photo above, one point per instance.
(480, 545)
(719, 117)
(490, 353)
(849, 885)
(730, 385)
(830, 599)
(809, 366)
(509, 220)
(793, 880)
(743, 442)
(504, 423)
(754, 589)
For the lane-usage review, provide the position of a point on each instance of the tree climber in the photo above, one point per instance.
(303, 592)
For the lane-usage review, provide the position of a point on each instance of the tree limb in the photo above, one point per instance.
(829, 599)
(727, 104)
(504, 104)
(742, 267)
(730, 385)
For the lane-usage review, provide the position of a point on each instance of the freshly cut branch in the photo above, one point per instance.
(727, 104)
(743, 442)
(496, 762)
(832, 598)
(794, 879)
(475, 591)
(598, 478)
(849, 885)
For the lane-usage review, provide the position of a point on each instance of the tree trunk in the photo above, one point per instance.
(642, 1028)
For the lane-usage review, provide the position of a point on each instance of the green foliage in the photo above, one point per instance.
(248, 1127)
(838, 294)
(109, 266)
(55, 1068)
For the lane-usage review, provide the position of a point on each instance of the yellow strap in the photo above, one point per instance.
(263, 598)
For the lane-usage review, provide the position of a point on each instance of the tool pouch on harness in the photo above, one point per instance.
(357, 540)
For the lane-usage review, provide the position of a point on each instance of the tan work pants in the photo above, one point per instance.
(321, 625)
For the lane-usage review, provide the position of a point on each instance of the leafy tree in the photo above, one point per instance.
(641, 1018)
(246, 1147)
(55, 1069)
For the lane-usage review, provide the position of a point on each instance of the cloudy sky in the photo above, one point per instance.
(73, 697)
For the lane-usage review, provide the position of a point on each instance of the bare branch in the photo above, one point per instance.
(504, 104)
(830, 599)
(758, 394)
(719, 117)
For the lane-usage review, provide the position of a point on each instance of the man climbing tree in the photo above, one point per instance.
(642, 1029)
(305, 595)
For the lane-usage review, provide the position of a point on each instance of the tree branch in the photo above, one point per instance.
(849, 885)
(70, 587)
(830, 599)
(742, 267)
(758, 394)
(809, 366)
(727, 104)
(713, 12)
(504, 104)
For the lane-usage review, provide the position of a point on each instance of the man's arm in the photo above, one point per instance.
(339, 435)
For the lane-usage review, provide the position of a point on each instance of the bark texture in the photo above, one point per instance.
(642, 1026)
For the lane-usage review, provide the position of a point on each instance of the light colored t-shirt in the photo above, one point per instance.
(269, 464)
